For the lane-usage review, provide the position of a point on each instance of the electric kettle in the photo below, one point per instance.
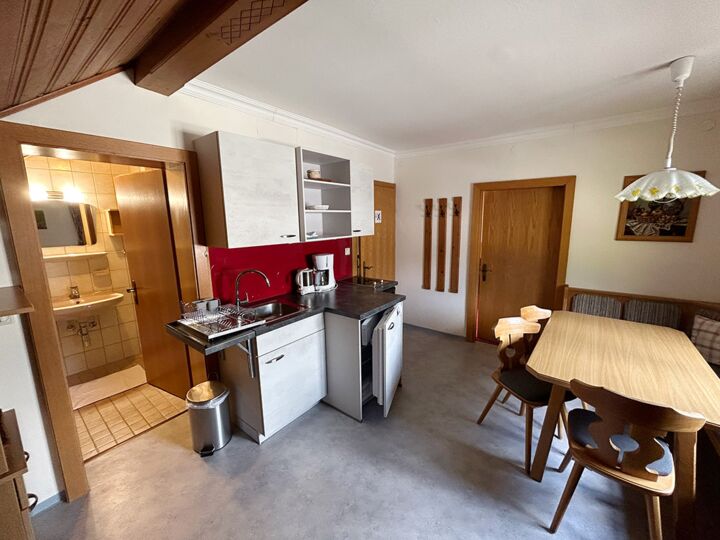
(305, 280)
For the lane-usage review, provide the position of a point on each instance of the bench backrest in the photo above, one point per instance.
(635, 306)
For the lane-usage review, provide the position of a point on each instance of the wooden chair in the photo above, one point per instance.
(513, 377)
(538, 315)
(622, 440)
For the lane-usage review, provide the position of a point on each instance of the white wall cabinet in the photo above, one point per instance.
(257, 192)
(344, 192)
(249, 191)
(362, 200)
(278, 377)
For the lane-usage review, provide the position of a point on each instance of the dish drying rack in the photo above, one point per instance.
(226, 319)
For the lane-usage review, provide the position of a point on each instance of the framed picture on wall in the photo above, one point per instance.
(671, 221)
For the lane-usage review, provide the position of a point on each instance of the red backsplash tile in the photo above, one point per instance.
(279, 262)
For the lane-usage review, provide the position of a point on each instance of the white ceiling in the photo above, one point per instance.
(416, 73)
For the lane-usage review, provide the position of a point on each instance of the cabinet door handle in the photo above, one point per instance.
(392, 325)
(276, 359)
(357, 230)
(288, 235)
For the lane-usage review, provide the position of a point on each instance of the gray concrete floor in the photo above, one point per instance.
(427, 471)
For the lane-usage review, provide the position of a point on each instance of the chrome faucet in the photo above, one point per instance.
(74, 292)
(239, 302)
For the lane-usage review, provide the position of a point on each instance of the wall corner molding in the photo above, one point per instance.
(227, 98)
(691, 109)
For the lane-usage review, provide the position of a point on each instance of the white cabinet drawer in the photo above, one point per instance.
(292, 380)
(280, 337)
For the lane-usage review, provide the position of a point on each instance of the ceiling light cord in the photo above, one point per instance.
(671, 144)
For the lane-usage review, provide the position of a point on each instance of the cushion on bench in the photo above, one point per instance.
(657, 313)
(593, 304)
(706, 337)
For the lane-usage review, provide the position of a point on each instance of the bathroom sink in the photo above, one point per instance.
(85, 306)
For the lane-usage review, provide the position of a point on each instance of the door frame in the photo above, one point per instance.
(475, 243)
(29, 270)
(356, 245)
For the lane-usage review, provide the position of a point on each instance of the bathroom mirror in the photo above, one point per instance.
(62, 223)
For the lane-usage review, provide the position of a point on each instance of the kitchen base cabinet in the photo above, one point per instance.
(276, 378)
(364, 360)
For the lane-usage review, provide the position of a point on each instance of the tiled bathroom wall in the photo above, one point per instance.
(113, 334)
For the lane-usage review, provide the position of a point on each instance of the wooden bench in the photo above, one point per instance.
(688, 308)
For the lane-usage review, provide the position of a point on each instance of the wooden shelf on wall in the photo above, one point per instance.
(74, 256)
(13, 302)
(114, 223)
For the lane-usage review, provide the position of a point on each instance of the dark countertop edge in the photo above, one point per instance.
(208, 347)
(384, 286)
(205, 346)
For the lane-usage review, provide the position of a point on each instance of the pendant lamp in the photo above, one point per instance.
(670, 183)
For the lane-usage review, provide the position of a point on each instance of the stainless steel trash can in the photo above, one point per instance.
(208, 408)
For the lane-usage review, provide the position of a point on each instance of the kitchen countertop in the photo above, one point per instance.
(377, 284)
(348, 300)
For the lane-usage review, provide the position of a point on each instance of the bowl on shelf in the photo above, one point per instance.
(311, 234)
(314, 174)
(318, 206)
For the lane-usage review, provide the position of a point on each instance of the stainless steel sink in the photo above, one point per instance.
(272, 312)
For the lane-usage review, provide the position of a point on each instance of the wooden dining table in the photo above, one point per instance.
(641, 361)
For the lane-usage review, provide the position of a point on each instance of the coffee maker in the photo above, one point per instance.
(324, 272)
(318, 279)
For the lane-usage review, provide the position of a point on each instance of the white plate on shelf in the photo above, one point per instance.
(318, 206)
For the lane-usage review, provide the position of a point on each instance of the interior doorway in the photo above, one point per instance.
(374, 255)
(29, 270)
(113, 281)
(518, 249)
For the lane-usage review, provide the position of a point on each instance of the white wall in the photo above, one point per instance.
(18, 391)
(116, 108)
(600, 159)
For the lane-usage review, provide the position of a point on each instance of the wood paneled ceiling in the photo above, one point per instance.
(50, 47)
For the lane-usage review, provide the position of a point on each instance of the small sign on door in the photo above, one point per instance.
(378, 216)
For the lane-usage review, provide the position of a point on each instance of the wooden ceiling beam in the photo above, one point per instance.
(199, 35)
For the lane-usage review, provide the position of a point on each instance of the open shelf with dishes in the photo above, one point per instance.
(324, 195)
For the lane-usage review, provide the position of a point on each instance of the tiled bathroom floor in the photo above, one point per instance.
(109, 422)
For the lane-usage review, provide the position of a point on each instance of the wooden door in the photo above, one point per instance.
(142, 201)
(521, 236)
(377, 252)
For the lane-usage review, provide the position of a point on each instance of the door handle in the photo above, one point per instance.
(484, 270)
(133, 290)
(392, 325)
(357, 230)
(288, 235)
